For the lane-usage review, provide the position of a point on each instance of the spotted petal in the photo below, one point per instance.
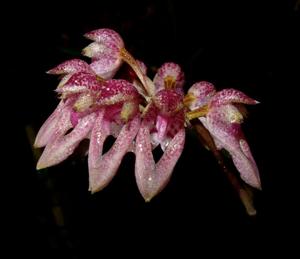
(169, 76)
(106, 65)
(230, 95)
(106, 37)
(80, 82)
(49, 127)
(63, 146)
(70, 66)
(103, 167)
(229, 135)
(105, 52)
(151, 178)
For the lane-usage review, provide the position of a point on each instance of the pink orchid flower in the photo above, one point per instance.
(140, 113)
(93, 109)
(94, 106)
(104, 51)
(163, 124)
(108, 53)
(223, 120)
(169, 76)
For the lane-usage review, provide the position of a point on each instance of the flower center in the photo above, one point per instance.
(169, 82)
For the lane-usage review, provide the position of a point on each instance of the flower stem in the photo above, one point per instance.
(240, 188)
(147, 84)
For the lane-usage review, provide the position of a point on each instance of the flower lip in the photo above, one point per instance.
(168, 101)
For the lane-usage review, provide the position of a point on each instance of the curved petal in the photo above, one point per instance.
(99, 133)
(144, 163)
(106, 66)
(151, 178)
(105, 36)
(102, 168)
(246, 165)
(228, 96)
(199, 95)
(63, 80)
(49, 127)
(230, 136)
(63, 145)
(80, 82)
(70, 66)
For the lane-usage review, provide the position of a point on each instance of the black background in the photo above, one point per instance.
(248, 45)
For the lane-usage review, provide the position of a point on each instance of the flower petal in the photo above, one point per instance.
(49, 127)
(231, 95)
(144, 163)
(199, 95)
(106, 65)
(230, 136)
(102, 168)
(169, 76)
(151, 178)
(105, 36)
(99, 133)
(63, 145)
(246, 165)
(117, 91)
(105, 52)
(168, 101)
(166, 164)
(70, 66)
(80, 82)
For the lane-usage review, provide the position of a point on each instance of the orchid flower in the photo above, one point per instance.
(140, 113)
(163, 124)
(218, 114)
(92, 108)
(104, 51)
(169, 76)
(108, 52)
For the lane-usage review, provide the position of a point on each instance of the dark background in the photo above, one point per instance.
(248, 45)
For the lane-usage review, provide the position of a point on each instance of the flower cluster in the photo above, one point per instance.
(140, 113)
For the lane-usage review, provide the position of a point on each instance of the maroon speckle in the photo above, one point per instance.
(70, 66)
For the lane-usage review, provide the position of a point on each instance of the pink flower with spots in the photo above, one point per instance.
(163, 124)
(169, 76)
(223, 121)
(104, 51)
(94, 106)
(140, 113)
(94, 109)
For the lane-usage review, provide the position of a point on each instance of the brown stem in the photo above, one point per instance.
(238, 185)
(129, 59)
